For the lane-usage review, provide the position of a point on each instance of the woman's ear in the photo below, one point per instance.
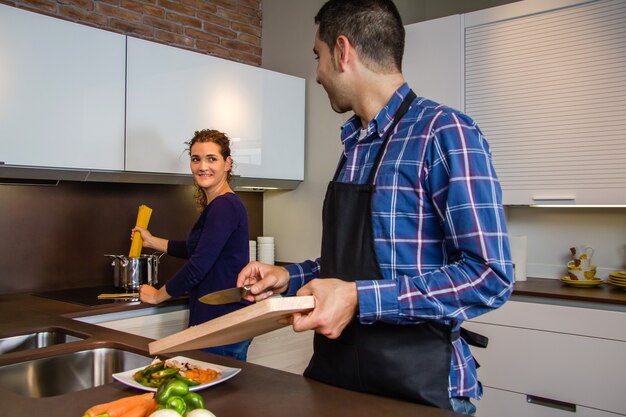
(229, 163)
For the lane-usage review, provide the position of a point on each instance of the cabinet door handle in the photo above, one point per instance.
(549, 402)
(554, 198)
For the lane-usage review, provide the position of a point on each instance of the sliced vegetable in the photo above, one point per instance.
(150, 369)
(188, 381)
(203, 375)
(164, 373)
(151, 382)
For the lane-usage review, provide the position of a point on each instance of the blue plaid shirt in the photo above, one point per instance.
(438, 223)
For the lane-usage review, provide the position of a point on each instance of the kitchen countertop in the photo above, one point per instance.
(554, 289)
(257, 390)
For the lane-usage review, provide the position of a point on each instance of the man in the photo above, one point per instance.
(414, 238)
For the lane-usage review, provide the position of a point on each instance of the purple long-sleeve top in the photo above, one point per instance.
(216, 249)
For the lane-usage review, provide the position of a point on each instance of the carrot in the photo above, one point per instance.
(153, 407)
(117, 408)
(142, 410)
(120, 409)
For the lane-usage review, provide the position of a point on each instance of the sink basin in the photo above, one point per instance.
(70, 372)
(36, 340)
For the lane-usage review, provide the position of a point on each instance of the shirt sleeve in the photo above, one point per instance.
(220, 222)
(466, 199)
(177, 248)
(300, 274)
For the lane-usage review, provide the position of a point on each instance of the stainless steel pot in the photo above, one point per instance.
(129, 273)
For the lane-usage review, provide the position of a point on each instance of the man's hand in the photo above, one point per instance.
(265, 280)
(336, 304)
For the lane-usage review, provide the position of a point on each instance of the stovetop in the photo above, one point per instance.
(85, 296)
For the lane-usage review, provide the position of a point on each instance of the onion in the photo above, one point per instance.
(200, 412)
(165, 413)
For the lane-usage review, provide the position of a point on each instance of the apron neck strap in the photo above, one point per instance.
(404, 107)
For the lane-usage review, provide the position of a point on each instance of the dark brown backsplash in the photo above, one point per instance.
(54, 237)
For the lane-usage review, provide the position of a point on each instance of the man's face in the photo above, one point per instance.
(329, 75)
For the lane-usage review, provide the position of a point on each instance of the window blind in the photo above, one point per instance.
(549, 93)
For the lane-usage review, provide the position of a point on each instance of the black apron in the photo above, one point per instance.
(411, 362)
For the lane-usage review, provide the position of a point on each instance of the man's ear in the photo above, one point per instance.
(343, 51)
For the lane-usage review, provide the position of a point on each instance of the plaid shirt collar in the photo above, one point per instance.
(351, 129)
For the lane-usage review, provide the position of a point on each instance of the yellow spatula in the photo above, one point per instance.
(143, 218)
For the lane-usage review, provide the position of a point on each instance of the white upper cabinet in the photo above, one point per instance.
(432, 60)
(546, 83)
(173, 92)
(61, 93)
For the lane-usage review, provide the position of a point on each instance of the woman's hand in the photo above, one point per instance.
(150, 241)
(265, 280)
(149, 294)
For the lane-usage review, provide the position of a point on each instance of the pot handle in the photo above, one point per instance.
(159, 255)
(123, 259)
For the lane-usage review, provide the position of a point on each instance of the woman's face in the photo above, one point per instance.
(208, 166)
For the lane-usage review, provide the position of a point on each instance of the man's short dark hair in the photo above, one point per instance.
(374, 27)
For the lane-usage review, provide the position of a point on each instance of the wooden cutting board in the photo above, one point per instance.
(256, 319)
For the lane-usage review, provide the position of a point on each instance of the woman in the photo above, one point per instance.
(217, 247)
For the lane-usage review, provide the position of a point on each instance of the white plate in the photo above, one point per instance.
(126, 377)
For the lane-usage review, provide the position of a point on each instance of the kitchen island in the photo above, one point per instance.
(255, 391)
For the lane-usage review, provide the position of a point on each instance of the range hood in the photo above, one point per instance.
(26, 175)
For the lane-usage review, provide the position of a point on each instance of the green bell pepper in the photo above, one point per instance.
(193, 401)
(173, 388)
(177, 404)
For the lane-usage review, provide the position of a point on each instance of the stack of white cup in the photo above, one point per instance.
(252, 250)
(265, 249)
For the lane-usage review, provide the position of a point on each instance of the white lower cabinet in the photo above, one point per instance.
(282, 349)
(153, 323)
(154, 326)
(559, 355)
(498, 402)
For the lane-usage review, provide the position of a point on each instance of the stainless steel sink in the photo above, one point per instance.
(36, 340)
(62, 374)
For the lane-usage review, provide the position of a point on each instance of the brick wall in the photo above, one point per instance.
(229, 29)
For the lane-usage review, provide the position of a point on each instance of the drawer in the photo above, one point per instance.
(564, 319)
(570, 368)
(155, 326)
(498, 403)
